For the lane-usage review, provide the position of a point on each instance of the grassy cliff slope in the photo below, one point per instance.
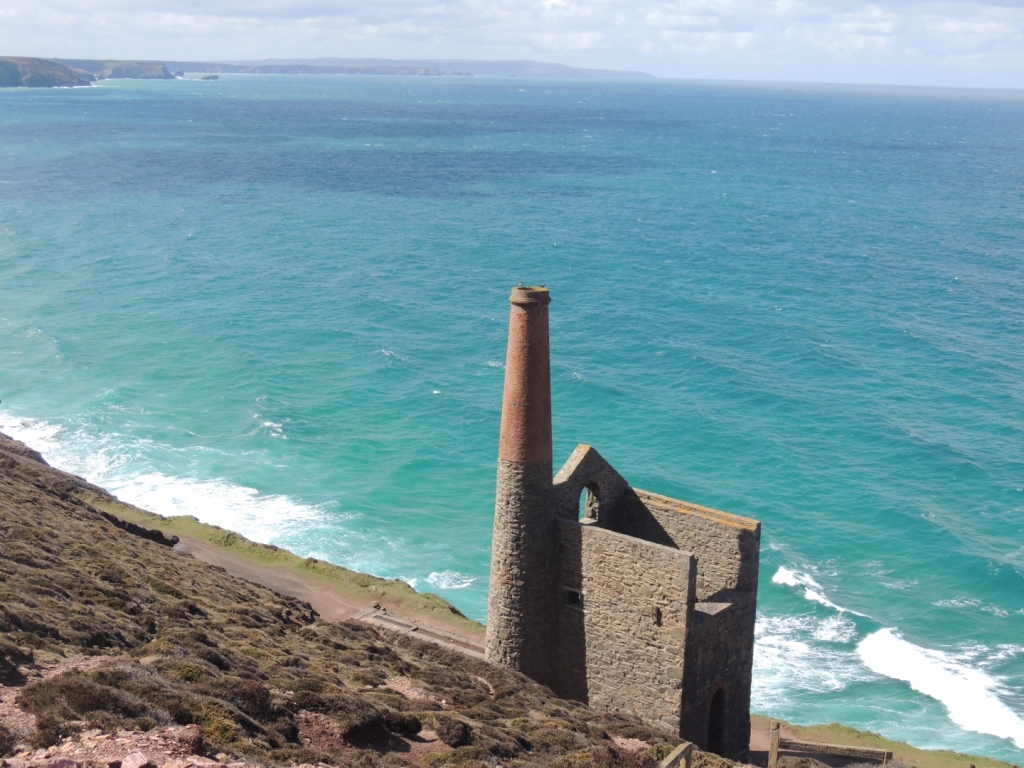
(21, 71)
(105, 628)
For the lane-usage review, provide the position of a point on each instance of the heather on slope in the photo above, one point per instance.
(175, 641)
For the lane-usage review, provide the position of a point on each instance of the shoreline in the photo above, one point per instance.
(338, 594)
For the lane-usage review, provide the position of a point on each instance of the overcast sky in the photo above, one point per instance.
(912, 42)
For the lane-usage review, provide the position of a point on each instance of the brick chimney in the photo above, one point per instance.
(521, 603)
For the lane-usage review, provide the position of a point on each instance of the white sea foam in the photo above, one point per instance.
(795, 655)
(971, 602)
(836, 629)
(812, 589)
(793, 579)
(115, 463)
(450, 580)
(970, 695)
(1005, 651)
(276, 430)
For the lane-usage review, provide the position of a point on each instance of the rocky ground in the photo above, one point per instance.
(116, 650)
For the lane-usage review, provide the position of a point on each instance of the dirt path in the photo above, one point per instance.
(328, 603)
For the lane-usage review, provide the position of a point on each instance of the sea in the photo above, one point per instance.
(280, 304)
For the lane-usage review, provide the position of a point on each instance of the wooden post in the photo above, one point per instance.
(773, 745)
(678, 757)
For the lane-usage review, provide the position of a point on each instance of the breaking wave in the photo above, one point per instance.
(970, 695)
(114, 463)
(450, 580)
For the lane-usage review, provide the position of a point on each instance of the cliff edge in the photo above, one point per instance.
(117, 648)
(19, 71)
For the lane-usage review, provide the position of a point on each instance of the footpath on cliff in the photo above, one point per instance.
(128, 640)
(118, 650)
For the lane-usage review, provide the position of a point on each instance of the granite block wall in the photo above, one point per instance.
(645, 605)
(720, 655)
(624, 609)
(727, 546)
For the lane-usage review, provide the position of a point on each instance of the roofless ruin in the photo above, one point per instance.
(643, 604)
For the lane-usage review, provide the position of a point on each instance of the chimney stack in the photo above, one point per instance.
(520, 606)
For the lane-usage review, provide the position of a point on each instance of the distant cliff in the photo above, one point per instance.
(120, 70)
(19, 71)
(430, 67)
(62, 72)
(314, 69)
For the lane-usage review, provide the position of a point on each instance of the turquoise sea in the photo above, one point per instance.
(280, 304)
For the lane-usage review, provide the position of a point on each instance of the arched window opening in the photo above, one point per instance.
(716, 723)
(589, 505)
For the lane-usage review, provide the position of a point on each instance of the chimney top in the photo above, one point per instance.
(526, 405)
(530, 294)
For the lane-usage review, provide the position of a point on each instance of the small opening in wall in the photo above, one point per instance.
(573, 597)
(657, 616)
(589, 504)
(716, 723)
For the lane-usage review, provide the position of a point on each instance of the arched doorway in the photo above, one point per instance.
(716, 723)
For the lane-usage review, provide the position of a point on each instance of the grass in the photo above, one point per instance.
(350, 585)
(182, 642)
(834, 733)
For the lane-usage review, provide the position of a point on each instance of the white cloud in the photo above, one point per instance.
(955, 42)
(567, 41)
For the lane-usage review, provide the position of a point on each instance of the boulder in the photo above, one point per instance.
(137, 759)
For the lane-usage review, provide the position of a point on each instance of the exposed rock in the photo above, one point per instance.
(132, 760)
(137, 647)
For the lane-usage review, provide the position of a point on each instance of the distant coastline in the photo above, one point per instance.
(29, 72)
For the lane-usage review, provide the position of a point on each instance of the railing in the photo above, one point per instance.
(680, 756)
(775, 743)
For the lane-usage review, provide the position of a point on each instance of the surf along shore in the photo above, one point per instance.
(124, 631)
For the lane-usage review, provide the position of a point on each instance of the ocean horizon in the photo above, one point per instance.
(280, 304)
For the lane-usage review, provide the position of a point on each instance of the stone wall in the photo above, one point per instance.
(727, 546)
(622, 620)
(646, 605)
(720, 649)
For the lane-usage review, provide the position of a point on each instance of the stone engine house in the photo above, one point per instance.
(640, 603)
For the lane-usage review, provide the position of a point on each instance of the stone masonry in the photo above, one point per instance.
(643, 603)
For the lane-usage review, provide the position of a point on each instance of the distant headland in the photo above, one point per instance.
(23, 71)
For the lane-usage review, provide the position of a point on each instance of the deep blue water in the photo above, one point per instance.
(280, 304)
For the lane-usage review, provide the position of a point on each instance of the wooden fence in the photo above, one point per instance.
(775, 743)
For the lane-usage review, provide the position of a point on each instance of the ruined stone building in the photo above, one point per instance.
(640, 603)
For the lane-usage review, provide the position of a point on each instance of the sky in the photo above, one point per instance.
(898, 42)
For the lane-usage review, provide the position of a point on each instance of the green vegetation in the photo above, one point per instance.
(146, 637)
(834, 733)
(360, 588)
(22, 71)
(130, 634)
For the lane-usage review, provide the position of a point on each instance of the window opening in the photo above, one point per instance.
(589, 504)
(572, 597)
